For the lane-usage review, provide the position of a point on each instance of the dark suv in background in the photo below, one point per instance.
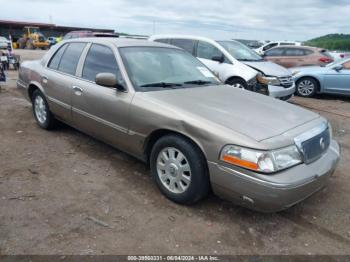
(294, 56)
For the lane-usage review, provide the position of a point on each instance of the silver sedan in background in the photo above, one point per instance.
(333, 78)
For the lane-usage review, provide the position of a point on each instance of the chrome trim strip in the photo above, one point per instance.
(100, 120)
(66, 106)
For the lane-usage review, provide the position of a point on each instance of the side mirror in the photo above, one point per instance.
(338, 68)
(219, 59)
(108, 80)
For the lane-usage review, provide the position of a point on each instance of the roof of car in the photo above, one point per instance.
(298, 47)
(121, 42)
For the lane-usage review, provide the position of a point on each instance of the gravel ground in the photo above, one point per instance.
(62, 192)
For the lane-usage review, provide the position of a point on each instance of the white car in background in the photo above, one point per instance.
(261, 50)
(4, 43)
(235, 64)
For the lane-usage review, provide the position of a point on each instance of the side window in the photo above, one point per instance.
(308, 52)
(70, 58)
(164, 41)
(294, 52)
(275, 52)
(185, 44)
(100, 59)
(268, 47)
(56, 59)
(208, 51)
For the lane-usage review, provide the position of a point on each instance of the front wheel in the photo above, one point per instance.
(179, 169)
(306, 87)
(42, 114)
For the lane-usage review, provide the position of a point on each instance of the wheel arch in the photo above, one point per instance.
(32, 87)
(153, 137)
(234, 78)
(319, 85)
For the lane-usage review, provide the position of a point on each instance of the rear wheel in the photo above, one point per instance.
(307, 87)
(41, 111)
(179, 169)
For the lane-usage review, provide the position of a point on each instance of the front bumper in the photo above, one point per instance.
(281, 92)
(276, 192)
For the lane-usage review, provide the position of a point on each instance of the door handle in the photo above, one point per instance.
(45, 79)
(77, 90)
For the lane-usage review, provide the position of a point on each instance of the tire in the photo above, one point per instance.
(237, 82)
(307, 87)
(41, 111)
(188, 186)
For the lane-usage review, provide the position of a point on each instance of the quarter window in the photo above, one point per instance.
(70, 58)
(208, 51)
(294, 52)
(56, 59)
(185, 44)
(100, 59)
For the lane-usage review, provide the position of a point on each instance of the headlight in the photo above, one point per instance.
(267, 80)
(261, 161)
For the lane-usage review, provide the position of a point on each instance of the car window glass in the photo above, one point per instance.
(186, 44)
(100, 59)
(346, 65)
(164, 41)
(208, 51)
(308, 52)
(287, 43)
(70, 58)
(55, 60)
(275, 52)
(294, 52)
(270, 46)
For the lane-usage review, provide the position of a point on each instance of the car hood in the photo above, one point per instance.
(256, 116)
(269, 68)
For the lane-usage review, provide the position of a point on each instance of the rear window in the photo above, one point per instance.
(185, 44)
(70, 58)
(56, 59)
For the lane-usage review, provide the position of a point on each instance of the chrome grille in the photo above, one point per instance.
(286, 81)
(314, 144)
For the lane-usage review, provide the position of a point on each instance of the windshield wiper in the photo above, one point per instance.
(198, 82)
(250, 60)
(161, 84)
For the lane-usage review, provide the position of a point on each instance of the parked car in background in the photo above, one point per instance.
(82, 34)
(262, 49)
(338, 55)
(4, 43)
(293, 56)
(333, 78)
(236, 64)
(159, 103)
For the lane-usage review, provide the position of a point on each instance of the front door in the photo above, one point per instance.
(101, 111)
(338, 82)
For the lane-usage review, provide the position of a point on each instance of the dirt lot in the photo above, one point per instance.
(62, 192)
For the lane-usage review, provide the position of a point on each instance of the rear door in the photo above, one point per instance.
(101, 111)
(275, 55)
(294, 57)
(338, 82)
(58, 78)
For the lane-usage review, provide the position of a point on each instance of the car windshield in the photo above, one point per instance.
(240, 51)
(153, 68)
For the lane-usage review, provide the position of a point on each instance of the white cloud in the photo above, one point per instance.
(252, 19)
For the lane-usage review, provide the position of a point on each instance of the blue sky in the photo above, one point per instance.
(219, 19)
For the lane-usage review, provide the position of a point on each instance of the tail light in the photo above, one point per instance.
(326, 60)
